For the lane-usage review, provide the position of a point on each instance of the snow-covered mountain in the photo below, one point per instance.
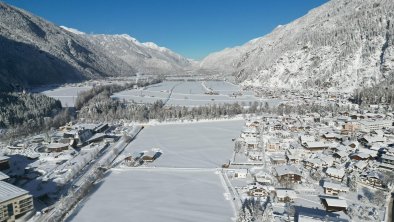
(35, 52)
(340, 45)
(146, 58)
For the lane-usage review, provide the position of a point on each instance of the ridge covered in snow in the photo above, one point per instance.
(340, 45)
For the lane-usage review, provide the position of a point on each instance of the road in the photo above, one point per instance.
(84, 181)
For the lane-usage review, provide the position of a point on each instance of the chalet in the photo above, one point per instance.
(260, 191)
(334, 188)
(368, 140)
(305, 139)
(251, 142)
(277, 159)
(350, 127)
(334, 204)
(334, 173)
(313, 163)
(285, 195)
(293, 158)
(374, 179)
(240, 173)
(360, 165)
(273, 146)
(263, 177)
(4, 162)
(255, 155)
(315, 146)
(249, 132)
(361, 156)
(330, 136)
(288, 173)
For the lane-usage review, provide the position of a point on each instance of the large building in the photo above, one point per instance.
(368, 126)
(14, 202)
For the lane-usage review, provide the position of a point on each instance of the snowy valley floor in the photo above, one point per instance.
(184, 184)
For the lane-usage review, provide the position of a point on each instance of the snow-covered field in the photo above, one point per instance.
(183, 184)
(190, 93)
(66, 94)
(155, 195)
(189, 145)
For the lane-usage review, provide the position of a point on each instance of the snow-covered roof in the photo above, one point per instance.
(315, 145)
(3, 176)
(387, 157)
(251, 140)
(335, 172)
(286, 193)
(3, 158)
(332, 202)
(335, 186)
(9, 191)
(361, 164)
(287, 169)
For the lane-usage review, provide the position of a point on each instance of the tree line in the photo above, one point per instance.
(22, 114)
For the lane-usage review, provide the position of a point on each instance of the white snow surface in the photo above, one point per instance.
(183, 184)
(150, 196)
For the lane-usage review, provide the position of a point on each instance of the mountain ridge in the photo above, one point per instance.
(340, 45)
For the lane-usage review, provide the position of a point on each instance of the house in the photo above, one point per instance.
(255, 155)
(240, 173)
(263, 177)
(285, 195)
(313, 163)
(251, 142)
(334, 188)
(288, 173)
(374, 179)
(361, 156)
(4, 162)
(334, 204)
(368, 140)
(305, 139)
(14, 202)
(273, 145)
(330, 136)
(293, 158)
(334, 173)
(350, 127)
(315, 146)
(277, 159)
(248, 132)
(260, 191)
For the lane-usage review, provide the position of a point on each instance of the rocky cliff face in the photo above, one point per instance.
(340, 45)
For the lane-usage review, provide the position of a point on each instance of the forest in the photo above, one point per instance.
(26, 113)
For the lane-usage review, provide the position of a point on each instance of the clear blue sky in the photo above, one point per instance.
(193, 28)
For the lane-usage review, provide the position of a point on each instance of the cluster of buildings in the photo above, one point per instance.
(38, 167)
(303, 160)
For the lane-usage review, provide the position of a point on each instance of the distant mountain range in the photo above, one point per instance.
(37, 52)
(341, 45)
